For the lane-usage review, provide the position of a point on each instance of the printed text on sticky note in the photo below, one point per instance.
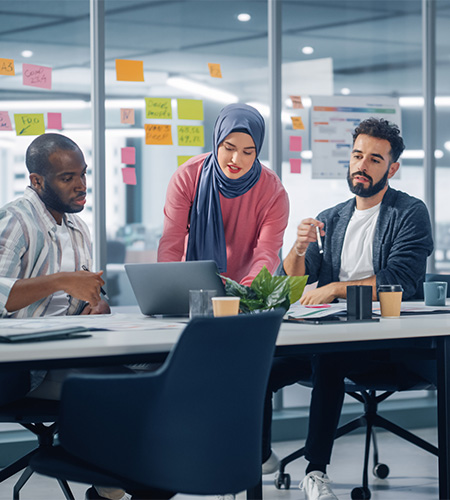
(214, 70)
(191, 135)
(7, 67)
(158, 107)
(296, 165)
(297, 123)
(5, 122)
(128, 155)
(129, 71)
(127, 116)
(29, 124)
(37, 76)
(129, 175)
(54, 121)
(190, 109)
(295, 143)
(158, 134)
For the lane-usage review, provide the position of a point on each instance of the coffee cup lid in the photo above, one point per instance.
(390, 288)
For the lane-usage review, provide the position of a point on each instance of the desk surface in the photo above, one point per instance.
(136, 334)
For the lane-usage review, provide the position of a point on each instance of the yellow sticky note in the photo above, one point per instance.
(191, 135)
(7, 67)
(129, 71)
(182, 159)
(158, 107)
(158, 134)
(30, 124)
(190, 109)
(214, 70)
(297, 123)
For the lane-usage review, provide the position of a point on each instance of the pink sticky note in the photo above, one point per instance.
(295, 143)
(296, 165)
(37, 76)
(5, 122)
(129, 175)
(129, 156)
(54, 120)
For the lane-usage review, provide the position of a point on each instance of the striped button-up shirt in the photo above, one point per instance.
(29, 248)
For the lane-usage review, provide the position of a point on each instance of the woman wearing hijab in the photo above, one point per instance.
(224, 205)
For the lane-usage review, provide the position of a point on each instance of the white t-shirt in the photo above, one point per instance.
(60, 300)
(357, 250)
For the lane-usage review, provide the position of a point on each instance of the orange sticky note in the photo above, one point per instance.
(127, 116)
(129, 175)
(214, 70)
(129, 71)
(296, 101)
(7, 67)
(297, 123)
(54, 121)
(158, 134)
(296, 165)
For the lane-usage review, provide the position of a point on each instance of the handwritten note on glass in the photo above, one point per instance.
(214, 70)
(37, 76)
(5, 122)
(191, 135)
(158, 134)
(7, 67)
(127, 116)
(29, 124)
(158, 107)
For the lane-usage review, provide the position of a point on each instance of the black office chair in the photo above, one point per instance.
(364, 389)
(194, 426)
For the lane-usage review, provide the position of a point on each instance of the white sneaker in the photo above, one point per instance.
(271, 465)
(316, 486)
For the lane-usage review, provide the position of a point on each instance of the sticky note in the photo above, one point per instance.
(29, 124)
(129, 71)
(128, 155)
(129, 175)
(158, 107)
(295, 143)
(297, 123)
(182, 159)
(54, 120)
(190, 109)
(127, 116)
(191, 135)
(7, 67)
(214, 70)
(5, 122)
(37, 76)
(296, 101)
(158, 134)
(296, 165)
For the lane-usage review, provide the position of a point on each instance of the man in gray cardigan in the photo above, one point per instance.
(381, 236)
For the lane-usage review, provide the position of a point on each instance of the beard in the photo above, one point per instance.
(53, 201)
(371, 190)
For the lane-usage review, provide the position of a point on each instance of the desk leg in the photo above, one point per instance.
(443, 375)
(255, 493)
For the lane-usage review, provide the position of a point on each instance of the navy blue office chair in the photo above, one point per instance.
(194, 426)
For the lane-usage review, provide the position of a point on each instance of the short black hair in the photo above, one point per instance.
(43, 147)
(382, 129)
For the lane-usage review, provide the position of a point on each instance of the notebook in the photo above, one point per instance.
(162, 288)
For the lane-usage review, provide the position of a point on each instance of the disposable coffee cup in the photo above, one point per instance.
(390, 297)
(200, 304)
(225, 306)
(435, 293)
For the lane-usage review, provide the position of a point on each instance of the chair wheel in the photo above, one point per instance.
(381, 471)
(282, 480)
(361, 493)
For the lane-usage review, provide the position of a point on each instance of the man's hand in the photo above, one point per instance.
(83, 285)
(101, 308)
(323, 295)
(306, 233)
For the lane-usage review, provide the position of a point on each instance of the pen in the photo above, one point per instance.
(102, 291)
(319, 239)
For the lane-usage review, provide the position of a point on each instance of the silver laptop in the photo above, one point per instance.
(163, 287)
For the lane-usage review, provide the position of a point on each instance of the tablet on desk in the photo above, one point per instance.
(325, 320)
(45, 335)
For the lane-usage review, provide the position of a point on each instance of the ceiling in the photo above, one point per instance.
(375, 45)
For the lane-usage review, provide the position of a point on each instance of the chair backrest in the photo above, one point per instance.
(194, 426)
(439, 277)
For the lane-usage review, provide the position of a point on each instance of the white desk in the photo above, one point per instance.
(144, 338)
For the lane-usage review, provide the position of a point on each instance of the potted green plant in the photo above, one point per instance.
(266, 291)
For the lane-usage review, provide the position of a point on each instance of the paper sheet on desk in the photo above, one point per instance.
(319, 311)
(110, 322)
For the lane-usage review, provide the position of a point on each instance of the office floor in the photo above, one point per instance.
(413, 473)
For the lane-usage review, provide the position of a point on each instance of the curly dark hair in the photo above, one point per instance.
(382, 129)
(43, 147)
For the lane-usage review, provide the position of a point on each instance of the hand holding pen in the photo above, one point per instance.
(309, 231)
(102, 291)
